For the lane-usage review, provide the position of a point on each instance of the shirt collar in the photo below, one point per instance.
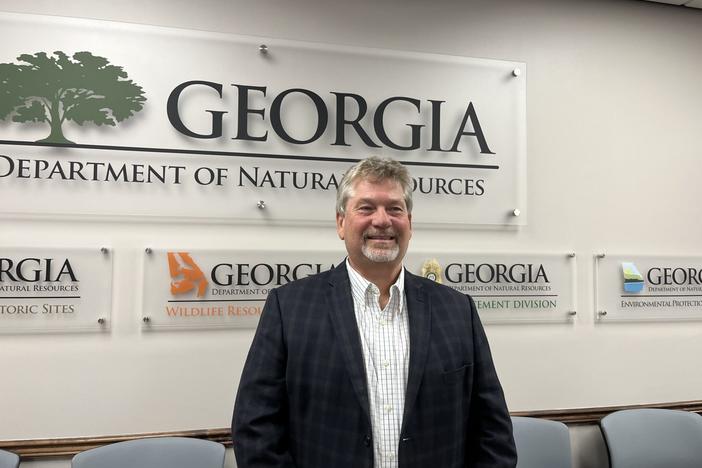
(360, 285)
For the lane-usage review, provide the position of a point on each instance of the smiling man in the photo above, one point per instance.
(368, 365)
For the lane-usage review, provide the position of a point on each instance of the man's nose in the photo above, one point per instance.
(381, 218)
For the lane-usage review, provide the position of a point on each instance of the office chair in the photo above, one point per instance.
(653, 438)
(541, 443)
(163, 452)
(8, 459)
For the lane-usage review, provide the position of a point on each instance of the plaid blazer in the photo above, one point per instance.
(303, 399)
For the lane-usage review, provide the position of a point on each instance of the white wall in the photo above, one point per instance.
(613, 107)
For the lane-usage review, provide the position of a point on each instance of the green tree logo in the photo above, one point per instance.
(83, 88)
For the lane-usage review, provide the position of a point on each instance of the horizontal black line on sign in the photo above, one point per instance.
(234, 154)
(663, 295)
(223, 300)
(40, 297)
(514, 295)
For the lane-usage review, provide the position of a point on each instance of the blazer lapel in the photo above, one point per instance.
(419, 310)
(343, 320)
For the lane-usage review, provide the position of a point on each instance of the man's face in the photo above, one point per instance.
(376, 226)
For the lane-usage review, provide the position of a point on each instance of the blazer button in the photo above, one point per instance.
(367, 441)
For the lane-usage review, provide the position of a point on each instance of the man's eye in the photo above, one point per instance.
(365, 208)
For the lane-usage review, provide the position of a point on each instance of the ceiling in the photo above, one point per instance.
(687, 3)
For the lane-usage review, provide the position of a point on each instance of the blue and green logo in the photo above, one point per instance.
(633, 279)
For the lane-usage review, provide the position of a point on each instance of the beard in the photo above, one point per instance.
(380, 254)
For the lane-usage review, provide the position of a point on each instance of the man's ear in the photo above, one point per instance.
(340, 225)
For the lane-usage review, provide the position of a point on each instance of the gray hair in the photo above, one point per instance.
(373, 169)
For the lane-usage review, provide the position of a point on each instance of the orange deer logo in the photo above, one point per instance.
(185, 274)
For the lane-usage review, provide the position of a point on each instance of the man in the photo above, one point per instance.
(367, 365)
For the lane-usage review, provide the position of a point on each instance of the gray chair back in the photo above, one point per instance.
(541, 443)
(653, 438)
(8, 459)
(164, 452)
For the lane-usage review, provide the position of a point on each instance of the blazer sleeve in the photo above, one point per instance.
(260, 421)
(491, 443)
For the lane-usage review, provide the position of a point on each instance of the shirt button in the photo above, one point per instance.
(388, 408)
(386, 363)
(390, 456)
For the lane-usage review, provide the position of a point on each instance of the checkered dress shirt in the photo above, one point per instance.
(385, 343)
